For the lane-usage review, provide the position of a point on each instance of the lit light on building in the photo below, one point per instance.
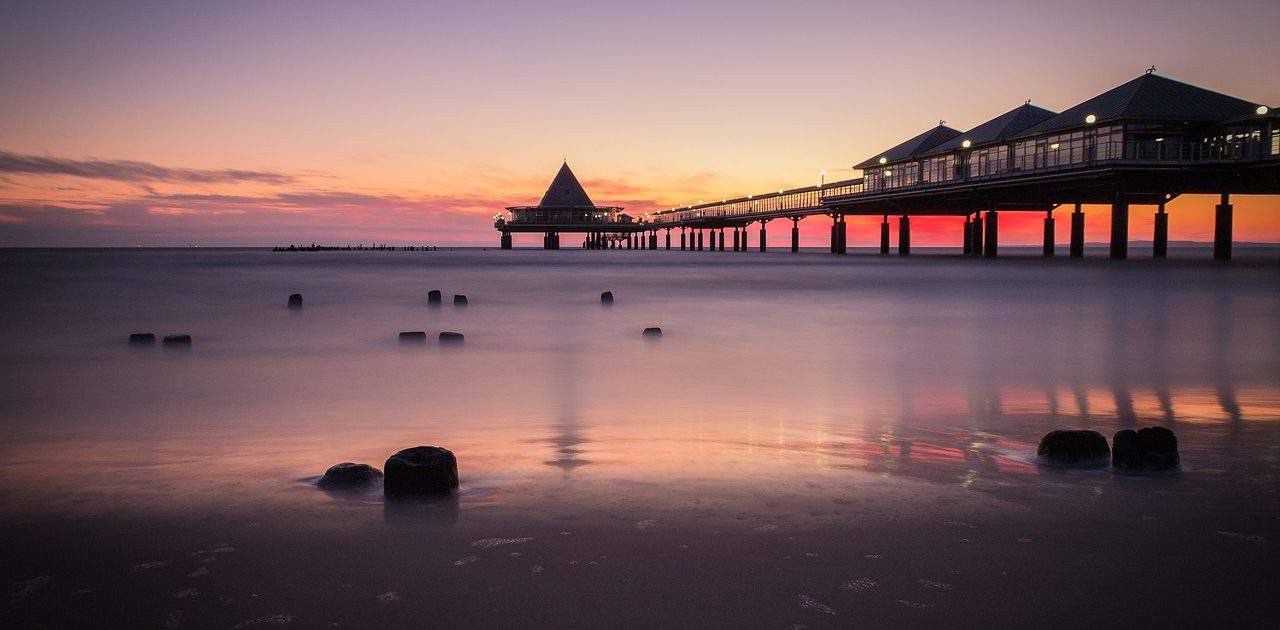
(1262, 110)
(884, 160)
(1090, 119)
(966, 144)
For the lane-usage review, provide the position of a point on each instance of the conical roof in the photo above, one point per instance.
(1150, 96)
(913, 147)
(565, 191)
(1006, 125)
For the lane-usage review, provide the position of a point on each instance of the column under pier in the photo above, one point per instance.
(1119, 228)
(1048, 235)
(904, 235)
(1222, 219)
(1160, 241)
(1077, 233)
(991, 246)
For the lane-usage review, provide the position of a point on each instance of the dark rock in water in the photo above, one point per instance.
(413, 336)
(653, 331)
(349, 476)
(177, 340)
(1077, 449)
(606, 297)
(142, 339)
(433, 297)
(449, 337)
(459, 300)
(295, 300)
(421, 470)
(1152, 449)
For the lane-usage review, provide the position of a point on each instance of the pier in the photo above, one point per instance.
(1143, 143)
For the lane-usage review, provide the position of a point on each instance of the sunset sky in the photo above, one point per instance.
(263, 123)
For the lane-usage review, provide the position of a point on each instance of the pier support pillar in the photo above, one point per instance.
(904, 235)
(744, 239)
(884, 235)
(968, 235)
(1119, 228)
(763, 245)
(505, 242)
(843, 235)
(682, 239)
(835, 223)
(668, 239)
(653, 240)
(1222, 219)
(978, 232)
(1160, 242)
(699, 239)
(991, 246)
(1048, 235)
(721, 239)
(795, 234)
(1077, 233)
(736, 244)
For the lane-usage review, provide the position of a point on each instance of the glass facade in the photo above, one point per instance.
(989, 161)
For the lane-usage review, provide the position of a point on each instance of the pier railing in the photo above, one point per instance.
(1043, 159)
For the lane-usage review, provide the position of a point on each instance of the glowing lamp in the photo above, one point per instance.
(1090, 119)
(1262, 110)
(1054, 146)
(883, 160)
(888, 173)
(966, 144)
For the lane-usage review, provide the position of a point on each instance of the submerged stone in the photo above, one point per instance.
(295, 300)
(349, 475)
(1075, 449)
(433, 297)
(653, 331)
(450, 337)
(606, 297)
(177, 340)
(459, 300)
(142, 339)
(1153, 449)
(413, 336)
(421, 470)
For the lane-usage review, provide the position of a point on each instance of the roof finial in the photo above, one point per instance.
(941, 123)
(1152, 69)
(1028, 102)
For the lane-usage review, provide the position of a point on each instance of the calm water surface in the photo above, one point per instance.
(814, 441)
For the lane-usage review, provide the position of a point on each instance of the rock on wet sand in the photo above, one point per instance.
(421, 470)
(653, 331)
(1074, 449)
(459, 300)
(413, 336)
(452, 338)
(349, 476)
(606, 298)
(142, 339)
(433, 297)
(295, 300)
(1153, 449)
(177, 340)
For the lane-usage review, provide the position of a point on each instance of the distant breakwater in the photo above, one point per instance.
(355, 248)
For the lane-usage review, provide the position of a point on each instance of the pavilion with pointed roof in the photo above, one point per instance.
(565, 207)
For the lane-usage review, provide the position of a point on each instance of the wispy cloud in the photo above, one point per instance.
(132, 171)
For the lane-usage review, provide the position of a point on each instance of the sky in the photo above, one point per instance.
(262, 123)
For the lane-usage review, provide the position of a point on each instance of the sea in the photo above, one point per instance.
(813, 441)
